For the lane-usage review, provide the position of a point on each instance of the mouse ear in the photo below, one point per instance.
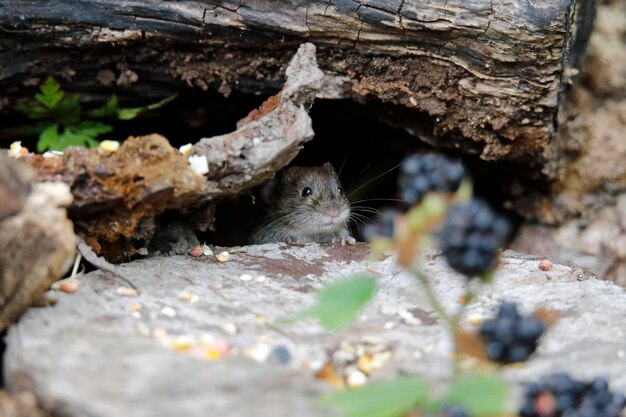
(329, 168)
(267, 190)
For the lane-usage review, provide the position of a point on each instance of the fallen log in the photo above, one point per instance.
(488, 77)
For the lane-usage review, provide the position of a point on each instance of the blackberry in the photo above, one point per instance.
(383, 226)
(559, 395)
(421, 174)
(471, 236)
(452, 411)
(511, 337)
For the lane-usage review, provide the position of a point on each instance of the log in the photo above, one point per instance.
(486, 76)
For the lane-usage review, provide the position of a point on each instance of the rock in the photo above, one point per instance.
(37, 246)
(100, 354)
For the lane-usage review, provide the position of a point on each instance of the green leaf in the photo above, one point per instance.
(109, 109)
(132, 112)
(480, 395)
(339, 303)
(92, 129)
(48, 138)
(51, 93)
(381, 399)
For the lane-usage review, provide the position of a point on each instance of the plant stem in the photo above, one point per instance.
(432, 299)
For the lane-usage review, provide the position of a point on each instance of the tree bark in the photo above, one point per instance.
(486, 76)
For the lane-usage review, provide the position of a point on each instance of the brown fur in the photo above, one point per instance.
(293, 217)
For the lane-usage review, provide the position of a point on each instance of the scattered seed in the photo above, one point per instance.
(356, 379)
(68, 285)
(229, 328)
(135, 314)
(476, 318)
(545, 265)
(388, 310)
(142, 329)
(185, 150)
(389, 325)
(262, 278)
(223, 256)
(188, 297)
(199, 164)
(418, 354)
(365, 364)
(412, 101)
(496, 296)
(212, 354)
(621, 354)
(168, 312)
(379, 359)
(196, 251)
(258, 353)
(206, 251)
(159, 333)
(109, 145)
(126, 292)
(261, 320)
(245, 277)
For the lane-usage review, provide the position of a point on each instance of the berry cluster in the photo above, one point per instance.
(511, 337)
(421, 174)
(471, 236)
(561, 396)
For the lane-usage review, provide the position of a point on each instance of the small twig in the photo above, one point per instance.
(79, 257)
(99, 262)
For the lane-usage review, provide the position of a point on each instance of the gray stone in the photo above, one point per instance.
(91, 355)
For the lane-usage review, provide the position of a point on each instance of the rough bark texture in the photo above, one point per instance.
(486, 76)
(100, 354)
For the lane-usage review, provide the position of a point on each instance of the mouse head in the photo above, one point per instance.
(312, 196)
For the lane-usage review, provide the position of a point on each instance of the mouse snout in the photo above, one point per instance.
(333, 210)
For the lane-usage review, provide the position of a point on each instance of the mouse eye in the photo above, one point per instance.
(307, 192)
(339, 190)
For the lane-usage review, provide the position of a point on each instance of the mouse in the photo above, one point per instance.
(306, 204)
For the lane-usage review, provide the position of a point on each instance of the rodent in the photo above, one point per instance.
(306, 204)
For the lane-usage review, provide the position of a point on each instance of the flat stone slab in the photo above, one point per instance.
(100, 353)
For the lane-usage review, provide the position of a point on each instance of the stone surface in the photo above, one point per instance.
(94, 354)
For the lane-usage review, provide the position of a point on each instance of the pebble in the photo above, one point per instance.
(222, 256)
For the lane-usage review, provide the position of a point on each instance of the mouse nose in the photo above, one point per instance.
(332, 211)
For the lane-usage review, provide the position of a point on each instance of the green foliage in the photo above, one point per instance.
(59, 118)
(383, 399)
(479, 395)
(339, 303)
